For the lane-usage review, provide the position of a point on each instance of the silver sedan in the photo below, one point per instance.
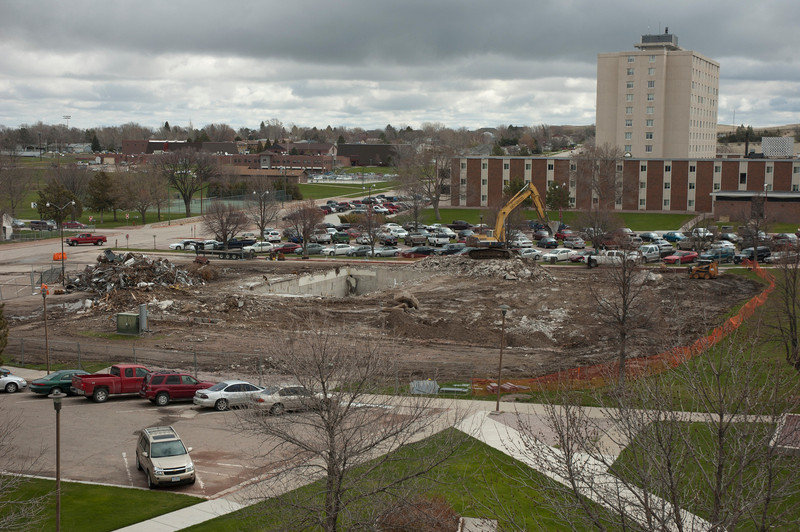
(12, 383)
(280, 398)
(225, 394)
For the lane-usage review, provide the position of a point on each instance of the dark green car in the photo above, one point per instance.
(60, 380)
(340, 237)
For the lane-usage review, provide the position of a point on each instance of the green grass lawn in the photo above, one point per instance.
(91, 508)
(349, 190)
(472, 482)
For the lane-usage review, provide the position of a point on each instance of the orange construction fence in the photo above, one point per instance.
(597, 375)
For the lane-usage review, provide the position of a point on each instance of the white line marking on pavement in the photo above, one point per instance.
(127, 469)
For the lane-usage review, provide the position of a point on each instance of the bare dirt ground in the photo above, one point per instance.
(454, 333)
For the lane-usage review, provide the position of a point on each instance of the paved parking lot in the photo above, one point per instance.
(98, 440)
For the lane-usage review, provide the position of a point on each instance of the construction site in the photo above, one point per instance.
(436, 318)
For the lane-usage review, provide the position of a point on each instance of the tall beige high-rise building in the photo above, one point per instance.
(658, 101)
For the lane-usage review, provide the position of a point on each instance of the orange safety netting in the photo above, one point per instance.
(597, 375)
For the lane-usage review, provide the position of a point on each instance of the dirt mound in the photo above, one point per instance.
(515, 268)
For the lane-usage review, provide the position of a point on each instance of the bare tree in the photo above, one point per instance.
(263, 208)
(304, 216)
(369, 225)
(19, 510)
(786, 308)
(347, 432)
(73, 178)
(224, 221)
(426, 166)
(595, 170)
(187, 172)
(623, 303)
(15, 183)
(654, 464)
(140, 191)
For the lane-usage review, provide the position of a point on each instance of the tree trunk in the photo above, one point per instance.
(188, 203)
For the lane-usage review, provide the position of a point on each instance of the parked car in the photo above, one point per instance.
(649, 236)
(17, 224)
(702, 232)
(336, 249)
(163, 457)
(418, 252)
(359, 251)
(340, 237)
(561, 234)
(581, 255)
(451, 249)
(782, 257)
(459, 225)
(681, 257)
(730, 237)
(557, 255)
(272, 235)
(540, 234)
(387, 239)
(311, 248)
(574, 242)
(674, 236)
(42, 225)
(12, 384)
(183, 244)
(57, 382)
(320, 237)
(520, 241)
(164, 386)
(73, 225)
(663, 246)
(282, 398)
(286, 247)
(385, 251)
(225, 394)
(650, 252)
(718, 255)
(783, 240)
(547, 242)
(758, 254)
(530, 253)
(438, 239)
(260, 247)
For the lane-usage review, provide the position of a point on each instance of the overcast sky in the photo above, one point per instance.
(368, 63)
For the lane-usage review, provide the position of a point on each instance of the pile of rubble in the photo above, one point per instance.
(512, 269)
(132, 270)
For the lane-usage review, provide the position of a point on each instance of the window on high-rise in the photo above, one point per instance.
(666, 185)
(629, 85)
(648, 135)
(691, 185)
(651, 71)
(628, 123)
(648, 148)
(630, 72)
(631, 59)
(628, 110)
(650, 109)
(652, 59)
(649, 122)
(628, 135)
(629, 97)
(651, 84)
(628, 147)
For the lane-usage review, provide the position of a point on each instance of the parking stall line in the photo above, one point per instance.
(127, 468)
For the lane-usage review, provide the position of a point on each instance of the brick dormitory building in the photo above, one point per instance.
(723, 188)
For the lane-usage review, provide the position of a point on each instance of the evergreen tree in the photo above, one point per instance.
(96, 144)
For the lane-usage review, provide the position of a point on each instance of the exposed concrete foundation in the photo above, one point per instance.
(342, 281)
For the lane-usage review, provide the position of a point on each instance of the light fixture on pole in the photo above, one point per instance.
(61, 230)
(56, 397)
(503, 309)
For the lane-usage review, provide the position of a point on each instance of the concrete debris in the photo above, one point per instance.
(513, 269)
(133, 271)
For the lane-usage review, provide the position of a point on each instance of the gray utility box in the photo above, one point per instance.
(128, 323)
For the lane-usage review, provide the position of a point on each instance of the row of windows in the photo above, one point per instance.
(632, 59)
(650, 71)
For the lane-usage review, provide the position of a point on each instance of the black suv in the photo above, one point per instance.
(760, 253)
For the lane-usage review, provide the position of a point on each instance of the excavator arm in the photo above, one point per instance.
(528, 191)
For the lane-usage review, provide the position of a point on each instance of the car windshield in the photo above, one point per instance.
(167, 448)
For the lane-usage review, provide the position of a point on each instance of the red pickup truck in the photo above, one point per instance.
(123, 378)
(86, 238)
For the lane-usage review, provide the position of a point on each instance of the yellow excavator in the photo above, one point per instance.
(491, 245)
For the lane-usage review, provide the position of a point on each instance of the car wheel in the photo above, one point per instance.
(277, 409)
(12, 387)
(162, 399)
(221, 405)
(150, 483)
(100, 395)
(55, 390)
(138, 464)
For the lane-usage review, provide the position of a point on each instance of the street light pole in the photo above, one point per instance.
(46, 340)
(56, 397)
(503, 309)
(61, 231)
